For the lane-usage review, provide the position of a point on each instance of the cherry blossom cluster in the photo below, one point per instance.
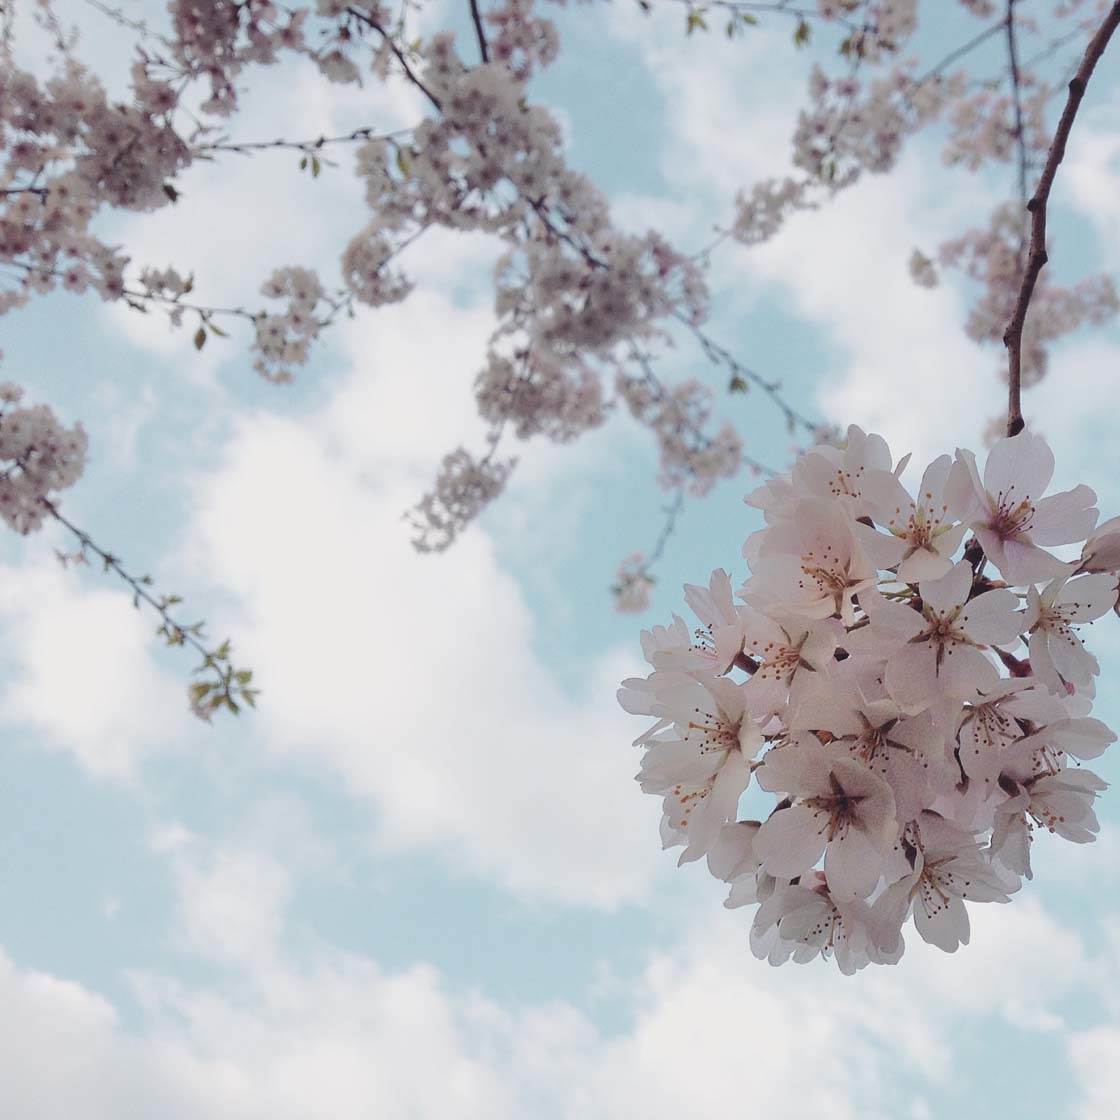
(678, 418)
(633, 584)
(282, 340)
(854, 125)
(573, 292)
(521, 40)
(851, 125)
(215, 39)
(575, 296)
(465, 485)
(994, 257)
(904, 673)
(67, 151)
(38, 456)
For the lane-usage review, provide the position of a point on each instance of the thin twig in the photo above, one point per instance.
(307, 146)
(720, 355)
(672, 513)
(229, 683)
(776, 7)
(483, 46)
(961, 51)
(1036, 260)
(1017, 100)
(409, 73)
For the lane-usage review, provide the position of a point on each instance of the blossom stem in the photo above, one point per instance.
(483, 46)
(720, 355)
(309, 147)
(409, 73)
(672, 513)
(1036, 259)
(229, 682)
(1017, 100)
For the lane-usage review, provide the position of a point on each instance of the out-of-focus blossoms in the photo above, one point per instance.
(37, 457)
(904, 671)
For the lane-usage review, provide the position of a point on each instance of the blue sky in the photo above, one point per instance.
(420, 880)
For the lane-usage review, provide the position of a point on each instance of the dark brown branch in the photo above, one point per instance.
(1036, 259)
(483, 46)
(409, 73)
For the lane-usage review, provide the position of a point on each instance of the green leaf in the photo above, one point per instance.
(802, 34)
(200, 338)
(738, 384)
(316, 167)
(695, 20)
(404, 164)
(303, 164)
(215, 329)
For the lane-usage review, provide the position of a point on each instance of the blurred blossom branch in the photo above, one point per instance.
(584, 308)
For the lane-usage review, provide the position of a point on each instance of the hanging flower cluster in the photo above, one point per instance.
(37, 457)
(886, 700)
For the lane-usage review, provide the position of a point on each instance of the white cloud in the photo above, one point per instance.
(904, 366)
(82, 674)
(1095, 1058)
(417, 679)
(339, 1036)
(1091, 174)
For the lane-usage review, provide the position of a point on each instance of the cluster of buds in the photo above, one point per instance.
(903, 672)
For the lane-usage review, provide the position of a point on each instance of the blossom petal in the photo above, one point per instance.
(852, 864)
(1019, 467)
(1064, 518)
(790, 841)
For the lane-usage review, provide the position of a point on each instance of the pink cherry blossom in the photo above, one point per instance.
(1007, 511)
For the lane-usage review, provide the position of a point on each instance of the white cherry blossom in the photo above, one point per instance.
(938, 650)
(925, 532)
(911, 753)
(810, 564)
(949, 868)
(701, 763)
(1058, 656)
(1012, 520)
(841, 810)
(1102, 550)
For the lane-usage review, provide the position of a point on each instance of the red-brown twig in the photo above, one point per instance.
(1036, 259)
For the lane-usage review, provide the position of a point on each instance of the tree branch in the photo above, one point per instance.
(229, 684)
(1017, 100)
(483, 46)
(1013, 336)
(309, 147)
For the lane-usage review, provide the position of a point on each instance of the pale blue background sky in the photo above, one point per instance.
(420, 880)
